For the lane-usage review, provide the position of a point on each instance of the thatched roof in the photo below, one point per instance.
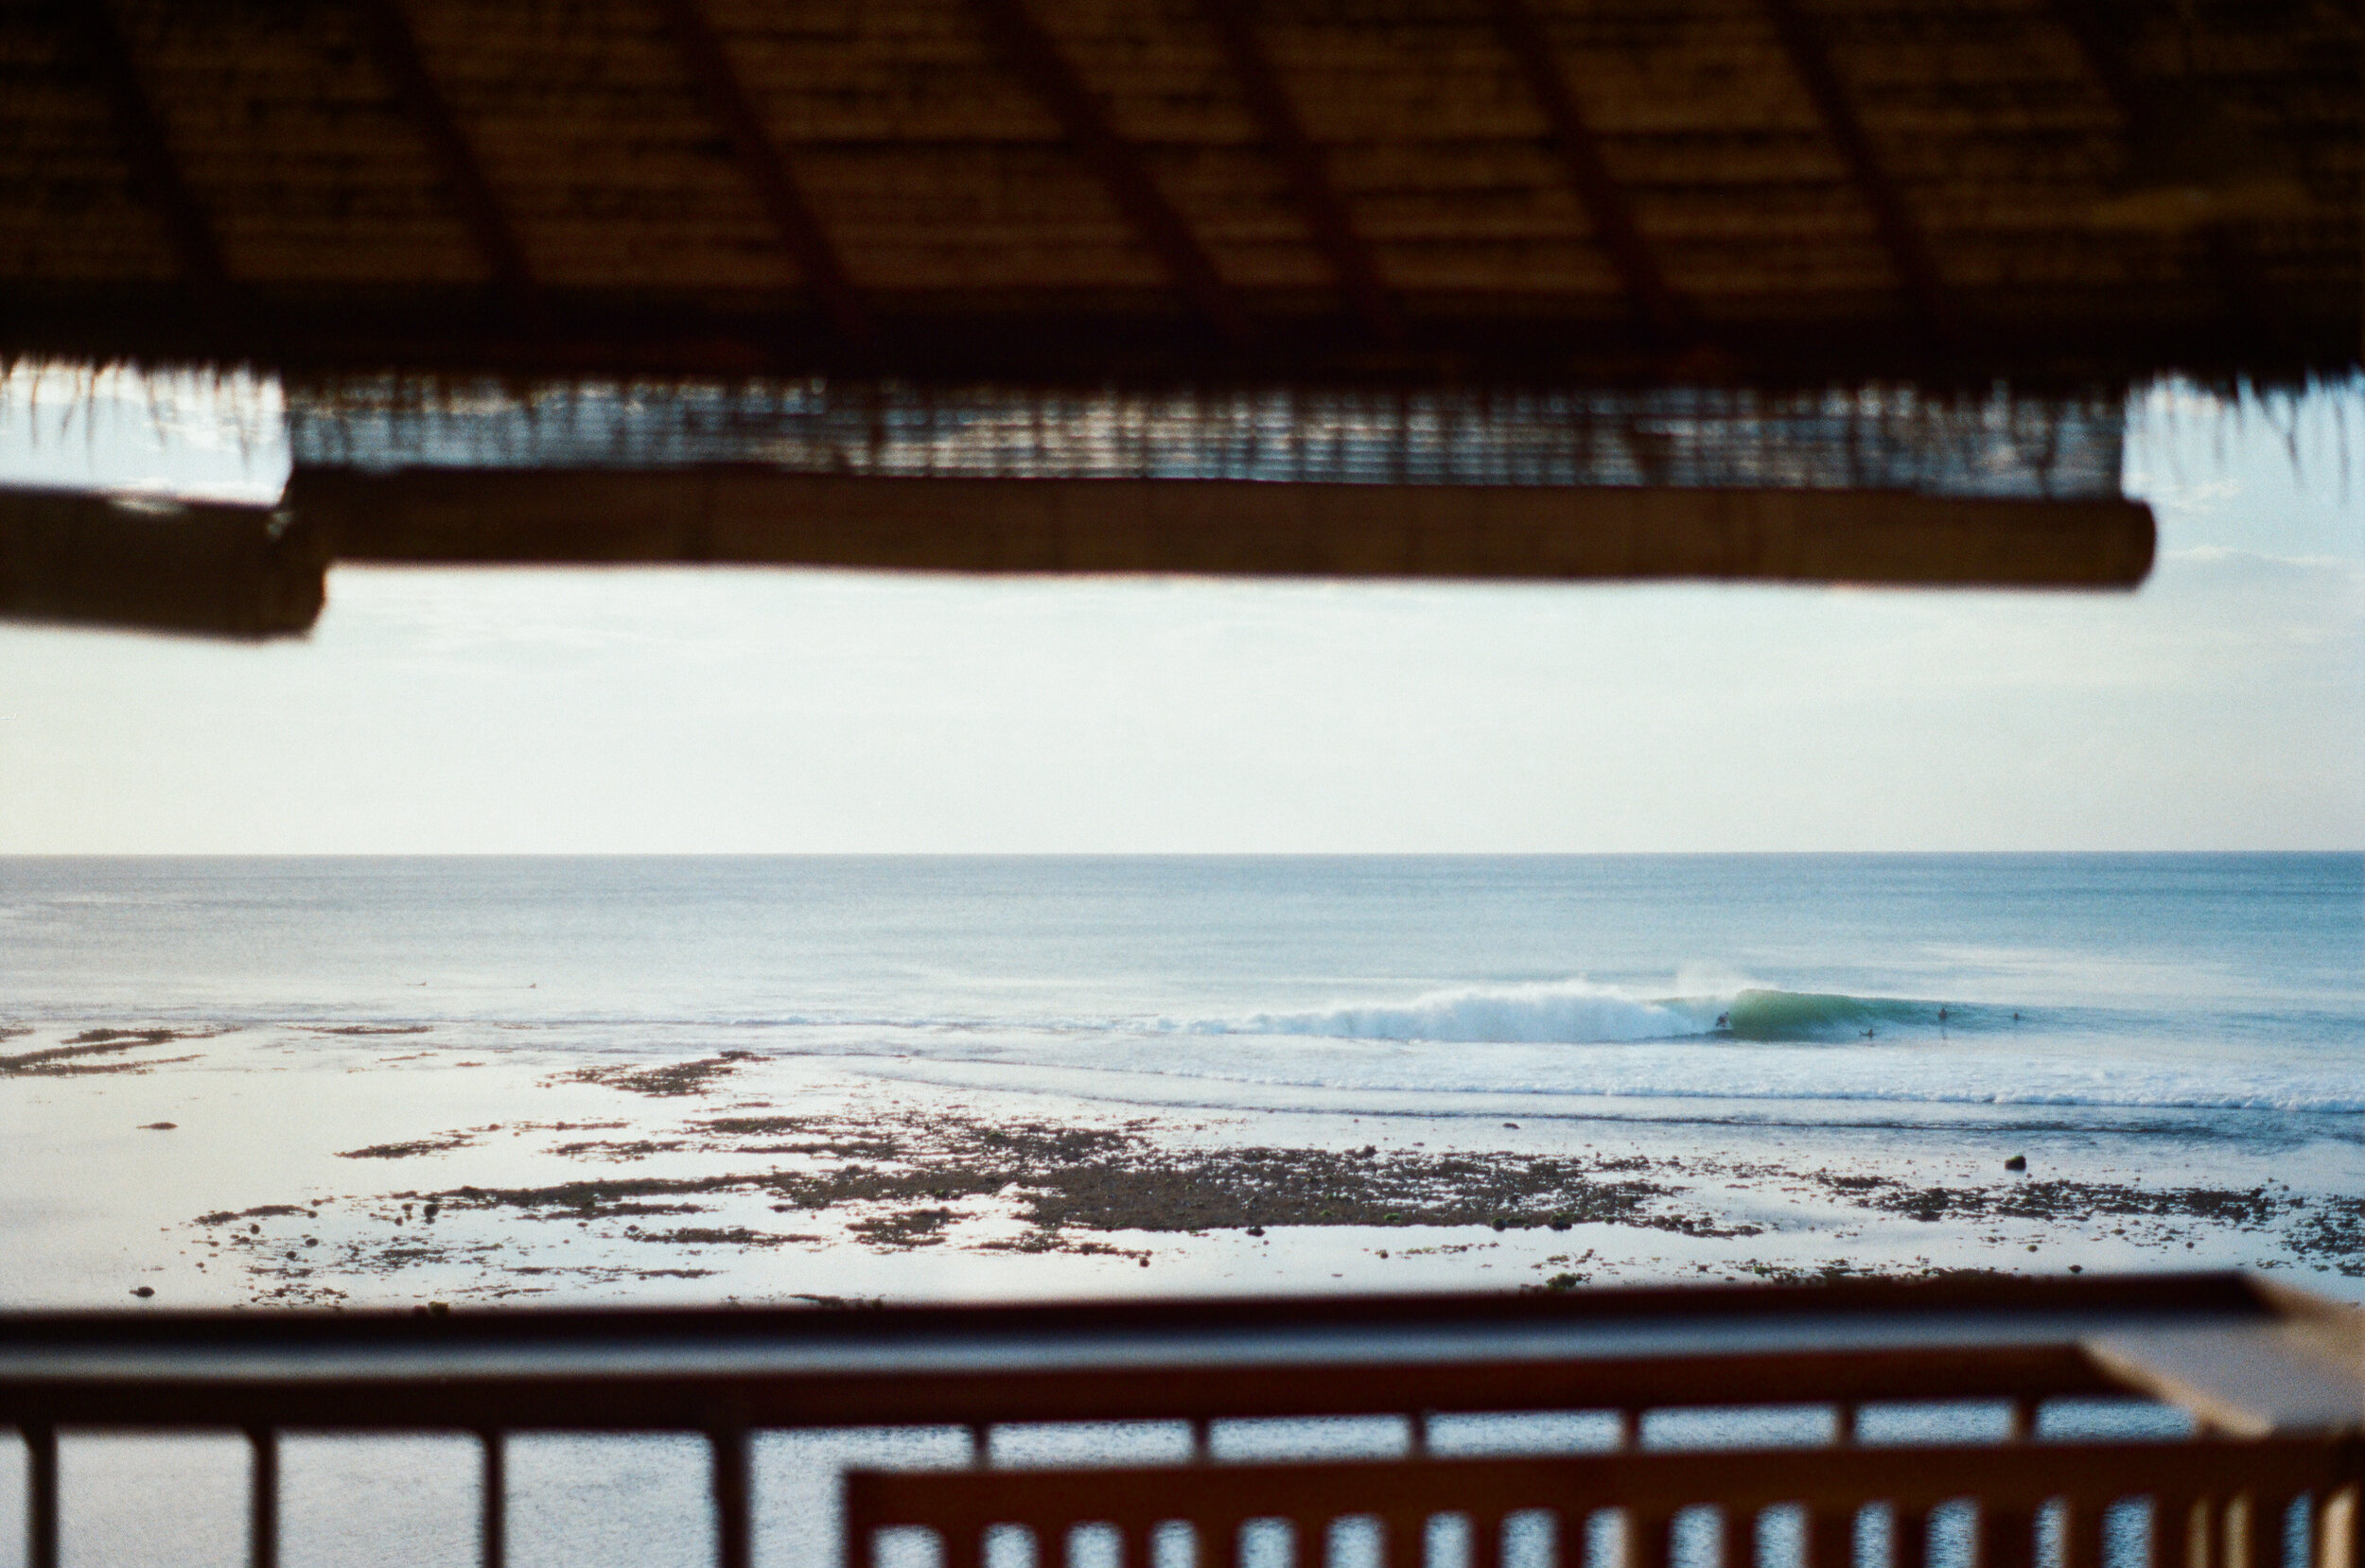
(1802, 289)
(1202, 192)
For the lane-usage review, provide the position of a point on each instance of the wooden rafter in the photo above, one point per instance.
(387, 32)
(1580, 152)
(1036, 58)
(1900, 235)
(760, 159)
(1276, 116)
(2106, 61)
(195, 252)
(2233, 266)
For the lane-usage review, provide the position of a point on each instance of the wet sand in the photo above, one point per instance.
(328, 1166)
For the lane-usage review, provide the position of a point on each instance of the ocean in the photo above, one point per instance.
(1793, 1067)
(2207, 992)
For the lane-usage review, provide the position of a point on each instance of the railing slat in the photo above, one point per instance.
(1487, 1539)
(40, 1502)
(2084, 1526)
(262, 1529)
(2186, 1533)
(1647, 1530)
(1909, 1538)
(2253, 1530)
(493, 1514)
(2336, 1522)
(1404, 1543)
(2008, 1535)
(1831, 1538)
(729, 1446)
(1218, 1549)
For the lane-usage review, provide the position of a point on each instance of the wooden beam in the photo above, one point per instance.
(2249, 306)
(760, 159)
(1580, 152)
(1224, 528)
(1901, 235)
(2105, 59)
(245, 572)
(387, 33)
(1031, 53)
(195, 252)
(1276, 117)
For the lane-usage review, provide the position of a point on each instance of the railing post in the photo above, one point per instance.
(2231, 1547)
(1404, 1542)
(2008, 1535)
(728, 1444)
(2180, 1531)
(1220, 1547)
(40, 1502)
(1831, 1537)
(2253, 1531)
(2336, 1520)
(262, 1529)
(2082, 1533)
(493, 1513)
(1486, 1539)
(1909, 1537)
(1646, 1537)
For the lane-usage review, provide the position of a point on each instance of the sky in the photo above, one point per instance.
(2220, 706)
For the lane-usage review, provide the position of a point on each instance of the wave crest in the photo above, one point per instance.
(1555, 1013)
(1578, 1012)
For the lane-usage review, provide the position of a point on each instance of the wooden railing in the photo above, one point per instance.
(2213, 1504)
(732, 1374)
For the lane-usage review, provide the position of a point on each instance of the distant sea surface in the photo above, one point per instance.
(2110, 990)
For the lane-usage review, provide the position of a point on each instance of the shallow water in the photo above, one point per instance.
(2092, 988)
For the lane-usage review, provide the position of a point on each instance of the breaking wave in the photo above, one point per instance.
(1578, 1012)
(1563, 1011)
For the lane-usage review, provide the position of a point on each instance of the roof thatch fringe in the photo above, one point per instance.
(2000, 443)
(58, 401)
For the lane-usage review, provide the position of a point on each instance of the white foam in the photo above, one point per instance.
(1563, 1012)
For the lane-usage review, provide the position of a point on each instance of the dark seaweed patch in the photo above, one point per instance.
(69, 1060)
(692, 1235)
(2249, 1208)
(674, 1078)
(637, 1149)
(441, 1143)
(262, 1212)
(593, 1200)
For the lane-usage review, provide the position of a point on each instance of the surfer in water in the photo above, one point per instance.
(1723, 1021)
